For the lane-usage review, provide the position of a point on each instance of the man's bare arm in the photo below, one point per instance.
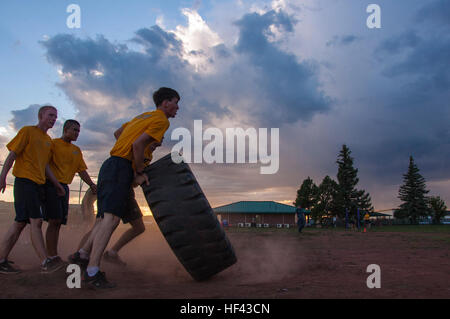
(139, 146)
(60, 191)
(6, 167)
(87, 179)
(118, 132)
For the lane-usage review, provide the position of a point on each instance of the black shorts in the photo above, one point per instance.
(114, 186)
(55, 207)
(133, 211)
(28, 197)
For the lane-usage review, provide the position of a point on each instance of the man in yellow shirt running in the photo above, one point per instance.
(117, 174)
(133, 216)
(366, 221)
(66, 160)
(30, 150)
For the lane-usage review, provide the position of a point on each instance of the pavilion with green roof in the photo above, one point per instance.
(257, 214)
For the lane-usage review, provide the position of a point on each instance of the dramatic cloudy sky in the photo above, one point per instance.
(311, 68)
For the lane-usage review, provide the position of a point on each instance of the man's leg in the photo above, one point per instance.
(48, 265)
(93, 276)
(81, 256)
(100, 241)
(134, 217)
(37, 238)
(85, 239)
(52, 237)
(55, 212)
(114, 182)
(137, 228)
(88, 238)
(10, 239)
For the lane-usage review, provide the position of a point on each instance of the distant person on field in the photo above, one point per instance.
(367, 220)
(66, 160)
(30, 149)
(301, 219)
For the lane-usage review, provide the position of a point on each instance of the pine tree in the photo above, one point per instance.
(324, 202)
(306, 194)
(348, 197)
(413, 195)
(438, 209)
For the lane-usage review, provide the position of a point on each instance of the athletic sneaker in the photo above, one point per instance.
(76, 259)
(114, 259)
(57, 259)
(52, 265)
(98, 281)
(6, 268)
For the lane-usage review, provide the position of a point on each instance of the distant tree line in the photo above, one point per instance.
(333, 198)
(342, 197)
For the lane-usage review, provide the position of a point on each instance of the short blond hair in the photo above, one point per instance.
(43, 109)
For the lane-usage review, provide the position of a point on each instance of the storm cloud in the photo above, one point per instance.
(419, 109)
(25, 117)
(286, 85)
(276, 78)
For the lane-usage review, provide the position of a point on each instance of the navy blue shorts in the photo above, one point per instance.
(55, 207)
(113, 187)
(28, 198)
(133, 211)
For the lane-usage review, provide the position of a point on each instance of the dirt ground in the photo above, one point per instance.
(271, 264)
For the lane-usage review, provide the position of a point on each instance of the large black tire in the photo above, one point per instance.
(186, 219)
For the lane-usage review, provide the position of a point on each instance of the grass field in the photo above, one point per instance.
(413, 228)
(394, 228)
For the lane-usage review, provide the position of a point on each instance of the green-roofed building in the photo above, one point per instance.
(257, 214)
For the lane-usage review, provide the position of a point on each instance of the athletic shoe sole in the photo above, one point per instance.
(58, 267)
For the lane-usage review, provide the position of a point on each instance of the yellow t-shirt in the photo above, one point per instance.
(66, 160)
(366, 217)
(32, 147)
(155, 124)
